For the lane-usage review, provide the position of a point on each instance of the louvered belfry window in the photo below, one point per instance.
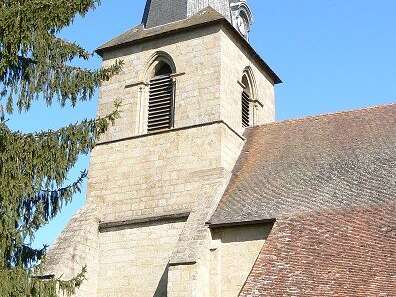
(245, 109)
(161, 103)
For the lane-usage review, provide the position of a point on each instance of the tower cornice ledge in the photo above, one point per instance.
(205, 18)
(220, 122)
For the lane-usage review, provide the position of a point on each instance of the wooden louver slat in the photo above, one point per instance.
(245, 109)
(160, 103)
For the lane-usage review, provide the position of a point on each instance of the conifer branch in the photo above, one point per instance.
(39, 210)
(35, 64)
(74, 186)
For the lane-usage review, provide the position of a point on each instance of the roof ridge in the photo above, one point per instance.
(325, 115)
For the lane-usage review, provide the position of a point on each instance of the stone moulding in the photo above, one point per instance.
(255, 222)
(109, 226)
(173, 130)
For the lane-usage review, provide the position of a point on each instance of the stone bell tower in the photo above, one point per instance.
(190, 85)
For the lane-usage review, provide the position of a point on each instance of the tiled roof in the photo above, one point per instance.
(321, 163)
(349, 253)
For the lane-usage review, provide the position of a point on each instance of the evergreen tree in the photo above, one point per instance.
(35, 64)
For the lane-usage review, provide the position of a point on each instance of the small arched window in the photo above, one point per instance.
(246, 102)
(161, 97)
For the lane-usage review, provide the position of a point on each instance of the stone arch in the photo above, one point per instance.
(160, 63)
(244, 9)
(249, 82)
(249, 96)
(158, 100)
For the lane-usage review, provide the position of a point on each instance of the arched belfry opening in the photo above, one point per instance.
(161, 101)
(247, 99)
(162, 68)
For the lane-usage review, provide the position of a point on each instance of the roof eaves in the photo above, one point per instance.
(218, 20)
(276, 79)
(239, 223)
(100, 50)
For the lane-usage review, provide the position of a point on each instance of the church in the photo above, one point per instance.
(197, 191)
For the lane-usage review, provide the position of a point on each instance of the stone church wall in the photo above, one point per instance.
(155, 175)
(135, 176)
(234, 251)
(133, 261)
(196, 55)
(234, 60)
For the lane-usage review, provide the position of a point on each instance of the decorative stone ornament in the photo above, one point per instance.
(242, 17)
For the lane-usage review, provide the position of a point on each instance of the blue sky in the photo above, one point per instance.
(332, 55)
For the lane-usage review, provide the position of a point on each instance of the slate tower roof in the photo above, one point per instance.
(161, 12)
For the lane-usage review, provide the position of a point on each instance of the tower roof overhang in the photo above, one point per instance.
(205, 18)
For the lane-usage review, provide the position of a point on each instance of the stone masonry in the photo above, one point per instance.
(142, 232)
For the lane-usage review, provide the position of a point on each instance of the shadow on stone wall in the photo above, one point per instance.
(162, 288)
